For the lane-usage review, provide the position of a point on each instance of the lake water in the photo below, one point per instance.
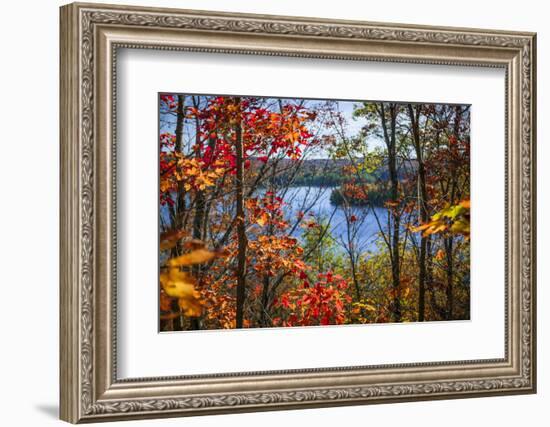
(315, 203)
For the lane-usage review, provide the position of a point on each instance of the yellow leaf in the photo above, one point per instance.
(181, 285)
(437, 216)
(262, 219)
(194, 257)
(455, 211)
(369, 307)
(177, 284)
(461, 226)
(440, 255)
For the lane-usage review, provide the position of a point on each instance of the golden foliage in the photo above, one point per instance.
(454, 219)
(181, 284)
(196, 256)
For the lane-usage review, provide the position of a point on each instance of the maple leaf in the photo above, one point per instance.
(454, 219)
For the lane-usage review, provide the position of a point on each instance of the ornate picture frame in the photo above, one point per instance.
(90, 37)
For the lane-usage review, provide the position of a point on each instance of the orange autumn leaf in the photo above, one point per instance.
(421, 227)
(465, 204)
(438, 229)
(440, 255)
(190, 306)
(433, 227)
(165, 302)
(197, 256)
(262, 219)
(194, 244)
(170, 238)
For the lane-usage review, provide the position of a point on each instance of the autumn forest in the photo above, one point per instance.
(278, 212)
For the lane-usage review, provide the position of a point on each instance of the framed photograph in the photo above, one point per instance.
(267, 212)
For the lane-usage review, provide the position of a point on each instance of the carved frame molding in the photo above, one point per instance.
(90, 37)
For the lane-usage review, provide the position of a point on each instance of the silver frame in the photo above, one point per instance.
(90, 37)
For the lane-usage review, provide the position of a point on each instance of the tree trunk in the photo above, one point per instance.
(449, 242)
(266, 280)
(241, 232)
(180, 195)
(264, 318)
(200, 201)
(198, 218)
(391, 143)
(435, 309)
(449, 290)
(414, 115)
(179, 210)
(354, 277)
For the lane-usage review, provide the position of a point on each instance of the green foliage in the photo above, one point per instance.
(320, 247)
